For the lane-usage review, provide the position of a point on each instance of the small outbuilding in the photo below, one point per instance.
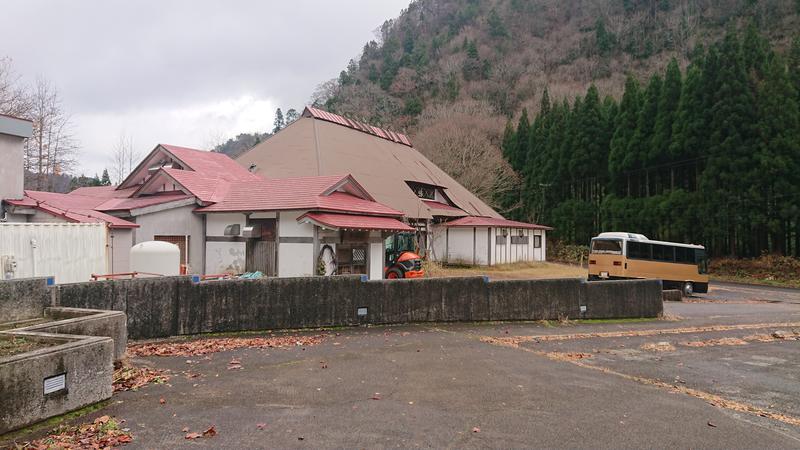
(488, 241)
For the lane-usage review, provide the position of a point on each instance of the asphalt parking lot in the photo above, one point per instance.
(720, 372)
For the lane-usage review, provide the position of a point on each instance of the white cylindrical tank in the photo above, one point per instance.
(154, 258)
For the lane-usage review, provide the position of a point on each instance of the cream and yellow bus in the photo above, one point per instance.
(616, 256)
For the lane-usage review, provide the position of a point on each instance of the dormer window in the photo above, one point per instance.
(422, 190)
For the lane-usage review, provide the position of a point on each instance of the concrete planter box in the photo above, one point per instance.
(85, 322)
(72, 368)
(77, 369)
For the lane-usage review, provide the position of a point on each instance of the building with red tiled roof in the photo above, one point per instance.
(325, 182)
(225, 219)
(386, 163)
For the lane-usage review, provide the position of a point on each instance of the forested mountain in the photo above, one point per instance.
(710, 154)
(677, 119)
(234, 147)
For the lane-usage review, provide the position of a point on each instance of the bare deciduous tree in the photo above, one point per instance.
(52, 149)
(14, 100)
(463, 140)
(124, 158)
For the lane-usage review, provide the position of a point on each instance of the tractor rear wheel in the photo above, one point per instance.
(393, 274)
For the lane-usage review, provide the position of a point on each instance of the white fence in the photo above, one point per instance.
(70, 252)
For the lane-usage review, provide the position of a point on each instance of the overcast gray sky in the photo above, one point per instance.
(182, 72)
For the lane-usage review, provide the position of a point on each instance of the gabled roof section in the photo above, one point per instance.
(328, 193)
(73, 208)
(360, 126)
(321, 144)
(210, 164)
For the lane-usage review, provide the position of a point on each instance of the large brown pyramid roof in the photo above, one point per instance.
(380, 160)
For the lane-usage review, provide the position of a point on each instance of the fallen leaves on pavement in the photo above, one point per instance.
(515, 341)
(104, 432)
(715, 342)
(567, 356)
(212, 345)
(658, 347)
(234, 364)
(130, 378)
(209, 433)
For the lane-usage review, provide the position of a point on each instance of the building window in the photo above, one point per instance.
(537, 241)
(500, 240)
(425, 191)
(523, 240)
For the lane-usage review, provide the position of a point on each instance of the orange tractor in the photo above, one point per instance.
(402, 259)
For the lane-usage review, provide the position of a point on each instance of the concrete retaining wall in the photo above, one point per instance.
(160, 307)
(672, 295)
(149, 303)
(86, 363)
(23, 298)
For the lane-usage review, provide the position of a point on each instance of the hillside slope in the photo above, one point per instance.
(704, 145)
(505, 52)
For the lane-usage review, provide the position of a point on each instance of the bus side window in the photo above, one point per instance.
(639, 250)
(663, 253)
(684, 255)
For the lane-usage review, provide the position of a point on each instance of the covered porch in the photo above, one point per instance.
(348, 244)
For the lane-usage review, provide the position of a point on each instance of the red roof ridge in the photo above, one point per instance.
(180, 147)
(356, 125)
(478, 221)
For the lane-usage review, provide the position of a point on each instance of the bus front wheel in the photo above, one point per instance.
(688, 289)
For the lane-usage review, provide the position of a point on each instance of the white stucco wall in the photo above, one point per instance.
(289, 227)
(224, 256)
(11, 170)
(295, 260)
(296, 256)
(376, 254)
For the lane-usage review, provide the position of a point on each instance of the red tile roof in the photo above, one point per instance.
(493, 222)
(211, 164)
(103, 191)
(208, 188)
(360, 126)
(218, 181)
(74, 208)
(355, 222)
(126, 204)
(294, 194)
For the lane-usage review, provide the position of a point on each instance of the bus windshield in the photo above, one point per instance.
(607, 246)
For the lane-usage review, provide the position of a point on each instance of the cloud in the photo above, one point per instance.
(198, 125)
(183, 70)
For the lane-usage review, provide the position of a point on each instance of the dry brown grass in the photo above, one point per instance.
(516, 271)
